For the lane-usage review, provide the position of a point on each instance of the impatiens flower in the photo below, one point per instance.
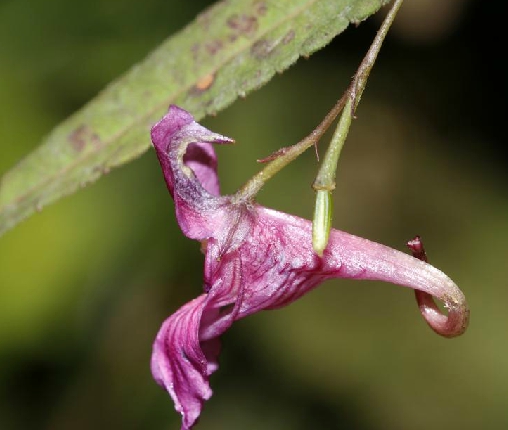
(256, 259)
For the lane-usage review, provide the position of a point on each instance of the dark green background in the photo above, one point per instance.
(85, 284)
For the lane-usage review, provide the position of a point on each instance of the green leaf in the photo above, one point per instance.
(227, 51)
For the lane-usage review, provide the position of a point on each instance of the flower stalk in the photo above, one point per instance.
(284, 156)
(324, 183)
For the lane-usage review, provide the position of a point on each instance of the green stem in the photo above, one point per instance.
(322, 221)
(361, 76)
(286, 155)
(325, 179)
(326, 176)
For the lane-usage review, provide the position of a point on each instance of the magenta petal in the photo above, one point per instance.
(181, 142)
(189, 165)
(186, 349)
(163, 132)
(201, 158)
(180, 365)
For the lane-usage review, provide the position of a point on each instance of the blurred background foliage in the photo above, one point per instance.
(86, 283)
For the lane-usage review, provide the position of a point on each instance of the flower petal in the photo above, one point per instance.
(189, 165)
(163, 132)
(185, 351)
(180, 365)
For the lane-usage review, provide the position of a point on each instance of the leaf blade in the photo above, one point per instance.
(227, 51)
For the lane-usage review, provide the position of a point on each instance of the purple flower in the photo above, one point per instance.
(258, 258)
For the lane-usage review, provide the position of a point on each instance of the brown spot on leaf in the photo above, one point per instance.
(205, 82)
(82, 136)
(288, 37)
(205, 18)
(195, 51)
(245, 25)
(213, 46)
(260, 7)
(261, 49)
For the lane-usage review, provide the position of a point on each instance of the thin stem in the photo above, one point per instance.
(325, 179)
(286, 155)
(325, 182)
(361, 76)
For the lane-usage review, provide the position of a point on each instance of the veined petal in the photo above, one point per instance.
(185, 351)
(189, 164)
(180, 365)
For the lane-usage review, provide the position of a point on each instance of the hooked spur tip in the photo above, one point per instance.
(447, 325)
